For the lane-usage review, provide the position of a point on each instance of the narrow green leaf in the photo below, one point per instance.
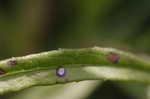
(68, 65)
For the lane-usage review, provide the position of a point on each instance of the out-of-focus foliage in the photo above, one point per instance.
(28, 26)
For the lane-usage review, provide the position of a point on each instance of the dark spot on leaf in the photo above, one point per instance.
(60, 71)
(12, 62)
(113, 57)
(2, 71)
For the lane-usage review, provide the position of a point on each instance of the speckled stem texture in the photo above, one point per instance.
(68, 65)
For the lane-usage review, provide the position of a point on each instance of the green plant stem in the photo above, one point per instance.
(80, 64)
(73, 57)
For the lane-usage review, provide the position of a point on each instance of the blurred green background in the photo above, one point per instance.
(32, 26)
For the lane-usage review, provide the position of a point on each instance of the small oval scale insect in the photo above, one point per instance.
(12, 62)
(113, 57)
(2, 72)
(60, 71)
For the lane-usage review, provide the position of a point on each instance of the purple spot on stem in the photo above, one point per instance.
(12, 62)
(60, 71)
(2, 71)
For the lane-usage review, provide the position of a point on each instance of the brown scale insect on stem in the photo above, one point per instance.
(113, 57)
